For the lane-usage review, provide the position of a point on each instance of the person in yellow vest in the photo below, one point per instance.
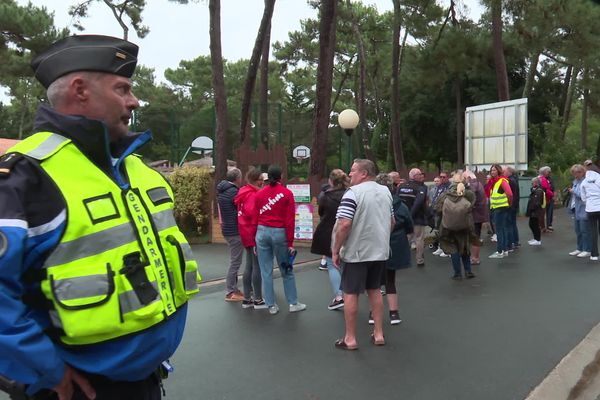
(500, 201)
(95, 276)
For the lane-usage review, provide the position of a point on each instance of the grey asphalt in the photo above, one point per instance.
(494, 337)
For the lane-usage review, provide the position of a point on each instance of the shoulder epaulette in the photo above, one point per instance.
(7, 162)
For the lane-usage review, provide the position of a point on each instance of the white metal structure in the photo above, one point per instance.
(496, 133)
(301, 153)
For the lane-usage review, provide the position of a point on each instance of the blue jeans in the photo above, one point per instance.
(584, 237)
(549, 213)
(466, 260)
(269, 242)
(502, 227)
(335, 278)
(513, 231)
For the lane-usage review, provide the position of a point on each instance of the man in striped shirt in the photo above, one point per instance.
(361, 238)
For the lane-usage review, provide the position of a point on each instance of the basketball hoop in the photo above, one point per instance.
(301, 153)
(300, 159)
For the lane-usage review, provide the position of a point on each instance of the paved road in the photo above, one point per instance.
(494, 337)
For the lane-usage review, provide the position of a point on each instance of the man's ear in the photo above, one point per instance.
(79, 89)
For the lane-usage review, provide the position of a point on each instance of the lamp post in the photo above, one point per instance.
(348, 120)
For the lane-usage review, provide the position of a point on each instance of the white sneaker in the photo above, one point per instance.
(592, 258)
(505, 253)
(584, 254)
(497, 255)
(531, 241)
(413, 246)
(494, 238)
(535, 243)
(274, 309)
(442, 254)
(297, 307)
(574, 253)
(438, 252)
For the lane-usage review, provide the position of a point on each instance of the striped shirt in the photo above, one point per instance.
(347, 206)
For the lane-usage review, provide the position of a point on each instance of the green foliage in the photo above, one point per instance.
(192, 206)
(132, 9)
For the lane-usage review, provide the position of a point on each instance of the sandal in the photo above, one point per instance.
(377, 342)
(341, 344)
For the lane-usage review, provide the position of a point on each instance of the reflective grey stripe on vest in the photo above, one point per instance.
(190, 281)
(81, 287)
(47, 146)
(129, 301)
(95, 285)
(102, 241)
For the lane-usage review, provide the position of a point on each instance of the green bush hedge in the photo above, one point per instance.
(192, 204)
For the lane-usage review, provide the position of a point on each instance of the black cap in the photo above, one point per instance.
(85, 53)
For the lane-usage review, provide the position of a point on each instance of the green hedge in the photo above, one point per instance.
(192, 204)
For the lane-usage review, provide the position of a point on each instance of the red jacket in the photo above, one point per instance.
(247, 215)
(276, 208)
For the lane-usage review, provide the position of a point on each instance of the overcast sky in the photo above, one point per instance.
(180, 32)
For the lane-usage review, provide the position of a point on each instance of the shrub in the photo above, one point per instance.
(192, 204)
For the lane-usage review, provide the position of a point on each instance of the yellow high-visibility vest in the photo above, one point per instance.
(122, 264)
(498, 200)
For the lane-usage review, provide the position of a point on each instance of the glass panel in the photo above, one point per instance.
(493, 150)
(509, 150)
(477, 127)
(494, 121)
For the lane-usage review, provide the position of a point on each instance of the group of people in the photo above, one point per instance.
(584, 205)
(258, 219)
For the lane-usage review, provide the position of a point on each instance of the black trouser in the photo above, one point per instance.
(594, 217)
(534, 225)
(146, 389)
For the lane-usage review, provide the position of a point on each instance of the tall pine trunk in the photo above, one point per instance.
(395, 123)
(568, 102)
(327, 30)
(253, 69)
(499, 61)
(263, 90)
(584, 110)
(216, 57)
(531, 74)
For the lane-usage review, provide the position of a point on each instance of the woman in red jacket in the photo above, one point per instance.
(276, 211)
(247, 220)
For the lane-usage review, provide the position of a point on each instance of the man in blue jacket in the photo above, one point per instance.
(94, 274)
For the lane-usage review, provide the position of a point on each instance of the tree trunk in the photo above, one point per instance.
(327, 30)
(263, 95)
(218, 83)
(362, 77)
(531, 74)
(460, 125)
(499, 61)
(565, 90)
(568, 103)
(253, 69)
(395, 122)
(584, 110)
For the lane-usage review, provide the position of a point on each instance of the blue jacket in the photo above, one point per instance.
(226, 192)
(32, 221)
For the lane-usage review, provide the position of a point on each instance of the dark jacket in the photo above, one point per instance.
(513, 182)
(481, 210)
(414, 195)
(226, 192)
(400, 248)
(534, 205)
(328, 205)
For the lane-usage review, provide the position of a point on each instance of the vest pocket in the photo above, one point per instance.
(131, 307)
(182, 268)
(86, 304)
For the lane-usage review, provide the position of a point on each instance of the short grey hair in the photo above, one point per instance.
(233, 174)
(366, 165)
(58, 89)
(544, 169)
(536, 180)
